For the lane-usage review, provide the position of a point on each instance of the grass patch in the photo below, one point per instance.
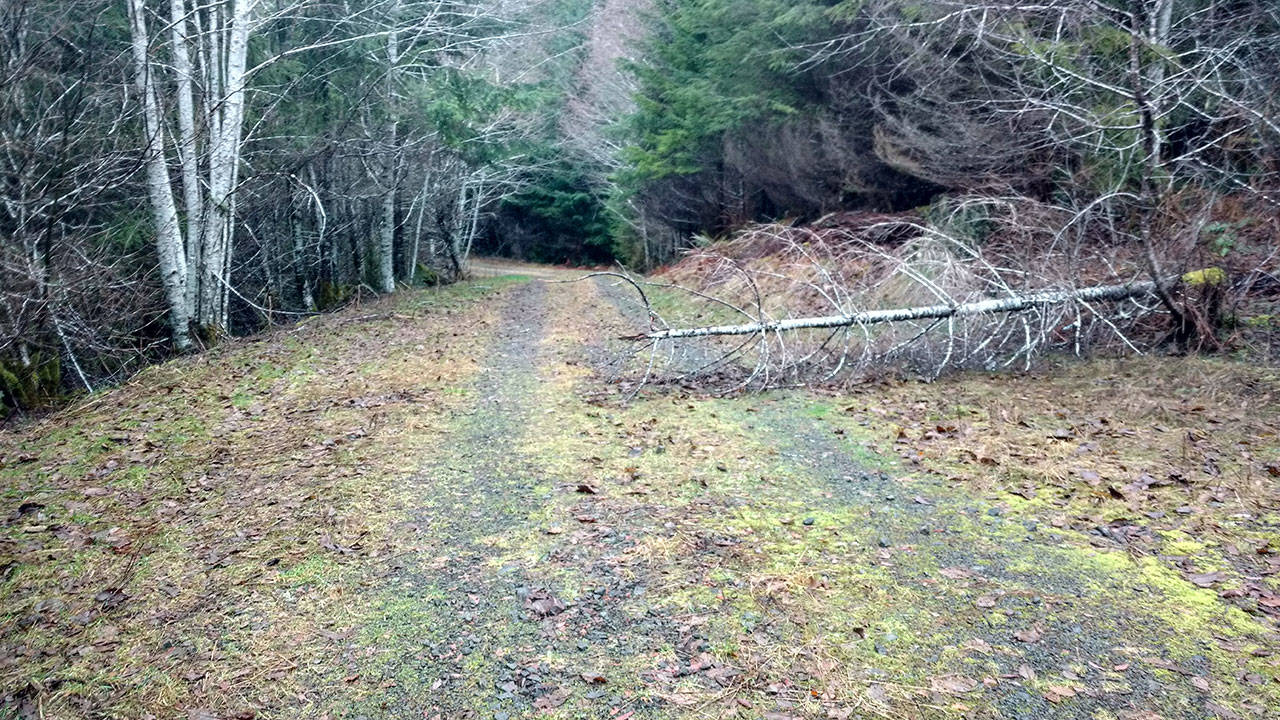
(193, 541)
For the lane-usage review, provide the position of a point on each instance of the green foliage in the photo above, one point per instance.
(128, 231)
(969, 222)
(427, 276)
(1223, 237)
(25, 386)
(563, 209)
(712, 67)
(330, 296)
(1261, 322)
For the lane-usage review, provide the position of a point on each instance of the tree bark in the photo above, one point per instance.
(929, 312)
(1152, 144)
(387, 243)
(224, 162)
(188, 146)
(169, 243)
(387, 229)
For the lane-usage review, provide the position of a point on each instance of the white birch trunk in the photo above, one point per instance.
(475, 223)
(387, 229)
(417, 231)
(188, 147)
(929, 312)
(227, 120)
(386, 243)
(169, 243)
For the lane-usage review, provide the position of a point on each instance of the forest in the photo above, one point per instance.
(639, 359)
(179, 173)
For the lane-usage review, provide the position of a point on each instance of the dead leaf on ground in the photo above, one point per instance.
(1058, 693)
(111, 598)
(1030, 635)
(987, 601)
(552, 700)
(544, 604)
(1205, 580)
(953, 684)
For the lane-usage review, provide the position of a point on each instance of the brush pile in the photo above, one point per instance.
(1215, 272)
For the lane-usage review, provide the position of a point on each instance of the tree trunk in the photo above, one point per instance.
(387, 244)
(477, 198)
(224, 162)
(188, 147)
(1152, 144)
(929, 312)
(387, 229)
(169, 243)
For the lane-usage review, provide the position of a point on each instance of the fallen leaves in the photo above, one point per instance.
(988, 600)
(1059, 693)
(1030, 635)
(552, 700)
(111, 598)
(1206, 580)
(953, 684)
(544, 604)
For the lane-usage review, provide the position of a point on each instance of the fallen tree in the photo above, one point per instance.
(782, 305)
(1016, 303)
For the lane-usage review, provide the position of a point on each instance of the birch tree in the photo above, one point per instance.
(195, 260)
(170, 247)
(227, 52)
(390, 170)
(68, 271)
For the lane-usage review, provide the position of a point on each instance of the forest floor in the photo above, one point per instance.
(434, 506)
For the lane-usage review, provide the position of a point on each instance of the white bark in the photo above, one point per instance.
(169, 243)
(188, 146)
(929, 312)
(387, 230)
(226, 127)
(423, 201)
(386, 243)
(475, 222)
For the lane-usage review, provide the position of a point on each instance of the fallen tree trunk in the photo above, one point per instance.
(1015, 303)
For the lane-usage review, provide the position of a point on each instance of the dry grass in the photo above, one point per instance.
(183, 542)
(969, 250)
(1204, 429)
(253, 541)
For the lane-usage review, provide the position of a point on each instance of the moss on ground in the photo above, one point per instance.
(822, 564)
(199, 526)
(348, 518)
